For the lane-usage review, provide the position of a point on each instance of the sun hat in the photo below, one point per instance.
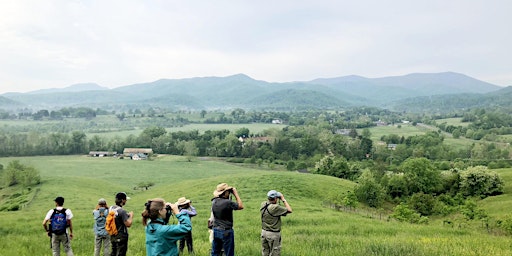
(122, 195)
(273, 194)
(220, 189)
(182, 201)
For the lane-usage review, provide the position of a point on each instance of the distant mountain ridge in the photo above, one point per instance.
(242, 91)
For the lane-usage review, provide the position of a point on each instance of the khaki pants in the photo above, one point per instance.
(66, 243)
(102, 242)
(270, 243)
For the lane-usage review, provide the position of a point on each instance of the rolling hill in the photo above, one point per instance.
(410, 92)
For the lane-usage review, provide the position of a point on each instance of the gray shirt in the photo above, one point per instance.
(222, 209)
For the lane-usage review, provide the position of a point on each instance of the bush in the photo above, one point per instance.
(403, 213)
(479, 181)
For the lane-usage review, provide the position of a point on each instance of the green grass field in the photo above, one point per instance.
(254, 128)
(312, 229)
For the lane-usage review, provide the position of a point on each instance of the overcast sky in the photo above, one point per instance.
(57, 43)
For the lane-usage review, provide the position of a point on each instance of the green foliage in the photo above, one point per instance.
(471, 211)
(506, 224)
(403, 213)
(421, 175)
(154, 132)
(422, 203)
(369, 191)
(333, 166)
(479, 181)
(18, 173)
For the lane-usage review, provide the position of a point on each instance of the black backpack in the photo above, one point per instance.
(58, 221)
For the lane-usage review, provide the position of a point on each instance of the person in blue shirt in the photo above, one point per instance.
(185, 206)
(101, 237)
(161, 238)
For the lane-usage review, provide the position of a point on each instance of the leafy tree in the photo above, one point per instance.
(422, 203)
(203, 113)
(154, 132)
(471, 211)
(353, 133)
(369, 191)
(17, 173)
(403, 213)
(350, 200)
(78, 140)
(396, 185)
(242, 132)
(480, 181)
(421, 175)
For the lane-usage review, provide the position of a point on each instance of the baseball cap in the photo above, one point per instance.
(273, 194)
(122, 195)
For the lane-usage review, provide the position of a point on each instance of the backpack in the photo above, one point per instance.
(100, 221)
(110, 224)
(58, 221)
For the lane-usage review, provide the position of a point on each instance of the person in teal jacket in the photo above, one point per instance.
(161, 238)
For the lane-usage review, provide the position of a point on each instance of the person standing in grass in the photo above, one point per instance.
(123, 221)
(185, 206)
(222, 209)
(60, 222)
(161, 238)
(271, 213)
(102, 238)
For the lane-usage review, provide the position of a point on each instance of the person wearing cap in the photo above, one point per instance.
(64, 239)
(123, 222)
(161, 238)
(271, 213)
(185, 206)
(101, 237)
(222, 211)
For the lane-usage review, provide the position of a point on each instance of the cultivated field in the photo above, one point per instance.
(312, 229)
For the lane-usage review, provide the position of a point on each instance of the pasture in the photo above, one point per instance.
(312, 229)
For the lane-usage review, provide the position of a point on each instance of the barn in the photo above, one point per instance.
(137, 153)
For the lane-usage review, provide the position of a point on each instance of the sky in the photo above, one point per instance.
(58, 43)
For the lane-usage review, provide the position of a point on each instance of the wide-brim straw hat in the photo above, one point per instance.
(220, 189)
(182, 201)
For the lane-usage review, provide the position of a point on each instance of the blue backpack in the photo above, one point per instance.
(100, 219)
(58, 221)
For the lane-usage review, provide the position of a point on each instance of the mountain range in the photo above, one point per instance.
(446, 91)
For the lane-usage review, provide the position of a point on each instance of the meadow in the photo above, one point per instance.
(312, 229)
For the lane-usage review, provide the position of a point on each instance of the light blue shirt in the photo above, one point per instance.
(161, 239)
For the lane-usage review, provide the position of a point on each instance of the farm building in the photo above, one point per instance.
(102, 153)
(137, 153)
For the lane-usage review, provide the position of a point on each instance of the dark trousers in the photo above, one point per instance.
(223, 239)
(188, 241)
(119, 246)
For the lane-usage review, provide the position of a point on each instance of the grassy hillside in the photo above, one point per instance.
(312, 229)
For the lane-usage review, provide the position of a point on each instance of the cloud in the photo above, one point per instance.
(57, 43)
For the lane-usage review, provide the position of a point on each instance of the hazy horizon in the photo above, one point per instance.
(58, 43)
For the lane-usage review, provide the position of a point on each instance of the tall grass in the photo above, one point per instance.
(312, 228)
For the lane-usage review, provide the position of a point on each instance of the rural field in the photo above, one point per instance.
(312, 229)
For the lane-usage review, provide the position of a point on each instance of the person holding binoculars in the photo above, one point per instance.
(161, 238)
(222, 211)
(185, 206)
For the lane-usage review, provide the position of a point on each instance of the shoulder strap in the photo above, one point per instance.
(265, 208)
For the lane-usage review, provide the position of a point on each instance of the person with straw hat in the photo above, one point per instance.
(185, 206)
(222, 210)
